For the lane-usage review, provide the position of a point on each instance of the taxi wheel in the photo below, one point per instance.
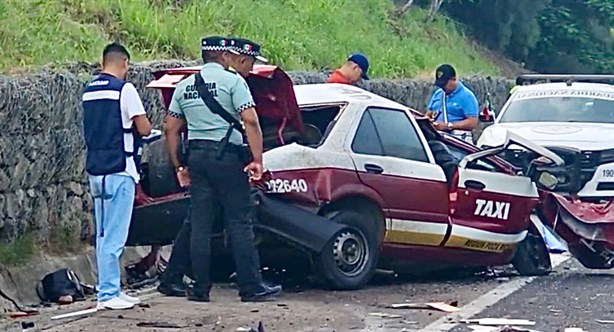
(532, 257)
(350, 258)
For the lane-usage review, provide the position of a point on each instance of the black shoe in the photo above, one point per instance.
(198, 294)
(172, 289)
(266, 293)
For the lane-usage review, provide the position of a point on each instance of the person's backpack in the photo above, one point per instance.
(60, 283)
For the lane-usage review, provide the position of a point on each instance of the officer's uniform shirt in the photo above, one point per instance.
(131, 106)
(227, 87)
(460, 104)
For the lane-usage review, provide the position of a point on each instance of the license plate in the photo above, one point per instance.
(607, 174)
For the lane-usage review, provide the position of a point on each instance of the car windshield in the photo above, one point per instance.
(560, 109)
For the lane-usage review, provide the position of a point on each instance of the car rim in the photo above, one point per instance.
(351, 252)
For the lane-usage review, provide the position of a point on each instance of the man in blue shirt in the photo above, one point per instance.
(453, 107)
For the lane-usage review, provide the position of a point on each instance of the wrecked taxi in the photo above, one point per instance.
(359, 182)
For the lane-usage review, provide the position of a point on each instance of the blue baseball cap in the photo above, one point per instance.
(362, 62)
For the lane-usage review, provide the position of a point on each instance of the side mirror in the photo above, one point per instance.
(548, 180)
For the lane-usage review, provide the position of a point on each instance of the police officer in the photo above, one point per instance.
(244, 54)
(112, 109)
(217, 172)
(453, 107)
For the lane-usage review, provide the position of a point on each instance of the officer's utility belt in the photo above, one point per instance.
(215, 107)
(242, 151)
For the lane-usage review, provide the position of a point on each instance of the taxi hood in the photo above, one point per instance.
(271, 87)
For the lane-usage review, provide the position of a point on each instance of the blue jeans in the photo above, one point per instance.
(112, 225)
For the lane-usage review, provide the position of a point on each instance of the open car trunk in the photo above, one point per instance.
(163, 205)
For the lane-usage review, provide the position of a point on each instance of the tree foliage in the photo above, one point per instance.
(547, 35)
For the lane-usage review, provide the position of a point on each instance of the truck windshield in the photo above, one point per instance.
(560, 109)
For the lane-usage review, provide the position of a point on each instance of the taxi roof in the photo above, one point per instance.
(332, 93)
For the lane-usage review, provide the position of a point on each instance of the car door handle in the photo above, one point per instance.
(371, 168)
(473, 184)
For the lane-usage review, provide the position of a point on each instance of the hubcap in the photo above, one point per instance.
(351, 252)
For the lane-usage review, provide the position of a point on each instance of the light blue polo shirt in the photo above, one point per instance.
(227, 87)
(460, 104)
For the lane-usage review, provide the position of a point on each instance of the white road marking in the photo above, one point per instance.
(449, 321)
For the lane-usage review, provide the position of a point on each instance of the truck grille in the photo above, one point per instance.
(586, 162)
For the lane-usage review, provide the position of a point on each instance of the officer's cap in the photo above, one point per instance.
(215, 43)
(242, 46)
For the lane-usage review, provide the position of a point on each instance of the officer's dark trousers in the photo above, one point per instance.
(222, 182)
(179, 264)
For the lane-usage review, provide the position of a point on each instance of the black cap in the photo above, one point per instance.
(244, 46)
(214, 43)
(443, 74)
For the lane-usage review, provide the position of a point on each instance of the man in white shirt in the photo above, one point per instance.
(113, 115)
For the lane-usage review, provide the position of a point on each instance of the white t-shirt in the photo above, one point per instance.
(131, 106)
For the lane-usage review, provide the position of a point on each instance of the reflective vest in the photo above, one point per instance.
(103, 127)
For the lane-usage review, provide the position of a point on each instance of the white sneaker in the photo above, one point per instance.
(128, 298)
(116, 303)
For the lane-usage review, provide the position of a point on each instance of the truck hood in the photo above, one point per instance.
(583, 136)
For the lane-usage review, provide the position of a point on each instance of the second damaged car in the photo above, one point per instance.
(360, 182)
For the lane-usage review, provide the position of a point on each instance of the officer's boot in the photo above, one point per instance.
(198, 293)
(264, 293)
(172, 285)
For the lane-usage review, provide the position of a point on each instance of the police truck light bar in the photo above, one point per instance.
(568, 78)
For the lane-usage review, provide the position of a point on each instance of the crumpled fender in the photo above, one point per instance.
(589, 220)
(294, 224)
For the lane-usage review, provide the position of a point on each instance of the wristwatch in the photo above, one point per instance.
(450, 126)
(179, 169)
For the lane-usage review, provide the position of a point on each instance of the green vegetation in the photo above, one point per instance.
(62, 240)
(18, 251)
(547, 35)
(296, 34)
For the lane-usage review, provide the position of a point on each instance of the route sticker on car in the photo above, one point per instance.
(492, 209)
(281, 186)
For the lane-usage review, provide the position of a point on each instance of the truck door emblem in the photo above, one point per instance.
(492, 209)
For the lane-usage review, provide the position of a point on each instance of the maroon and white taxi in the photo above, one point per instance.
(361, 182)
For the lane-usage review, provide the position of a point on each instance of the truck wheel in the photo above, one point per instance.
(350, 258)
(532, 257)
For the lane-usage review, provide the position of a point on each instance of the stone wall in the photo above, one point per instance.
(42, 182)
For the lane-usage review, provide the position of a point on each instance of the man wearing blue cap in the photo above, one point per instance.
(453, 106)
(353, 70)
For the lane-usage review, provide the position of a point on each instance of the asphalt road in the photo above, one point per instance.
(571, 296)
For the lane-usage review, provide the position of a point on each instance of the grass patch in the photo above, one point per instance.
(17, 252)
(297, 35)
(64, 239)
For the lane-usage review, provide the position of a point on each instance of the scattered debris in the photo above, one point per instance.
(65, 299)
(282, 305)
(76, 313)
(499, 322)
(164, 325)
(27, 325)
(480, 328)
(441, 306)
(144, 305)
(19, 314)
(383, 315)
(603, 321)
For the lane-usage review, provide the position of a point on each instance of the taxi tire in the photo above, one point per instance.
(360, 226)
(532, 257)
